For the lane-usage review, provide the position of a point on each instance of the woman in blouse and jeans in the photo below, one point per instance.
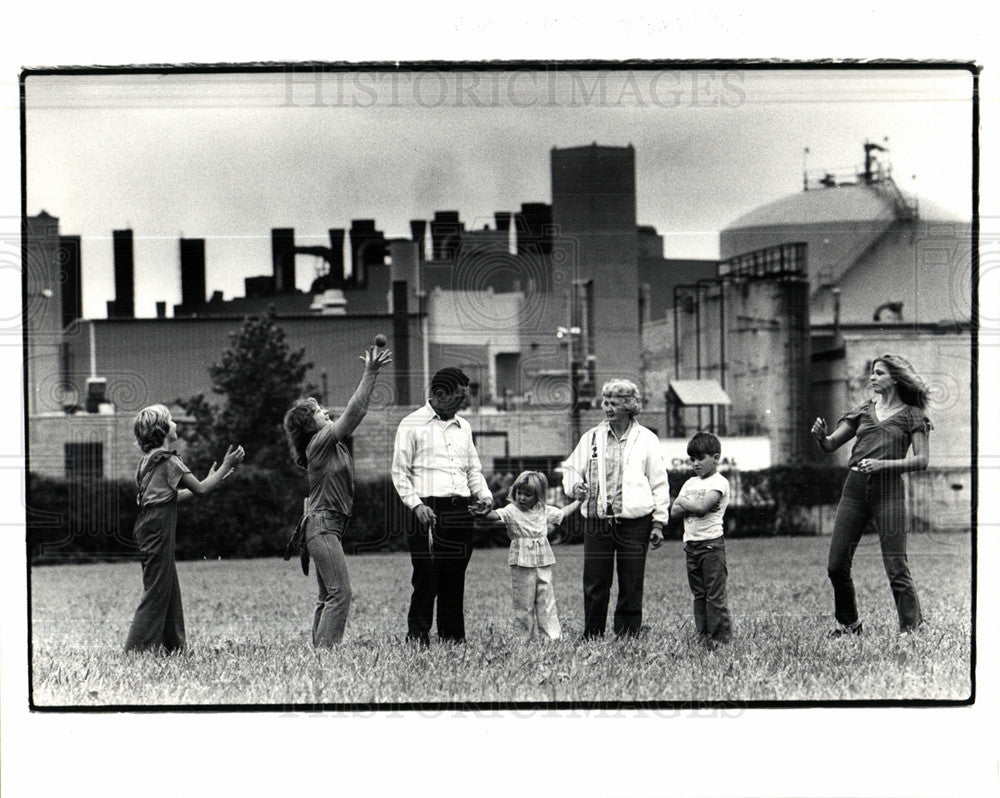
(317, 445)
(891, 434)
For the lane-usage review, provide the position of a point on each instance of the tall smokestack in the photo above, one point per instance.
(368, 249)
(446, 232)
(337, 255)
(123, 306)
(192, 273)
(401, 341)
(418, 229)
(534, 228)
(418, 232)
(835, 291)
(72, 287)
(283, 259)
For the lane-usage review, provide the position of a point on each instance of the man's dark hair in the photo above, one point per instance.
(703, 443)
(449, 380)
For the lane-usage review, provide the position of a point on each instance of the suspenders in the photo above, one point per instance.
(593, 473)
(143, 478)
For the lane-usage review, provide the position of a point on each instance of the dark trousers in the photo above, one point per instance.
(879, 497)
(439, 571)
(605, 545)
(707, 572)
(159, 618)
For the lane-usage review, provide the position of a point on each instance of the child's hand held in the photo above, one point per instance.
(481, 507)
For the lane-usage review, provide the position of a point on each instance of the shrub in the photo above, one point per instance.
(380, 519)
(79, 519)
(254, 513)
(251, 516)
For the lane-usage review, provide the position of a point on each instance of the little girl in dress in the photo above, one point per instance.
(528, 520)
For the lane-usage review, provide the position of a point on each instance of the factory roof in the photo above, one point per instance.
(843, 203)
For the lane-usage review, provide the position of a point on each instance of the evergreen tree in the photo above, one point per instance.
(198, 433)
(259, 377)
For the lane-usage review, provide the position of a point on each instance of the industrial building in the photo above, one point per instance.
(809, 291)
(540, 309)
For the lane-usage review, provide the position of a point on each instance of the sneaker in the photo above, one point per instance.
(845, 631)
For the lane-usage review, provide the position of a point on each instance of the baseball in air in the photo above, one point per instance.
(381, 340)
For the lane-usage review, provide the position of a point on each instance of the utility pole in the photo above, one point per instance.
(569, 333)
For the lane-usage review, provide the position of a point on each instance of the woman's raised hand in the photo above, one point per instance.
(376, 358)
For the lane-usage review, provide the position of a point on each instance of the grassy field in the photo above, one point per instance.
(248, 635)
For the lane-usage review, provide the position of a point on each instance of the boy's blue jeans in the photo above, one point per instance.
(707, 572)
(879, 497)
(324, 531)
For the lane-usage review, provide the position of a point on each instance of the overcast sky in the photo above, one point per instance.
(226, 157)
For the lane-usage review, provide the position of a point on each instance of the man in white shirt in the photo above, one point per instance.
(437, 474)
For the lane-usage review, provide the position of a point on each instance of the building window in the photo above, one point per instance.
(84, 460)
(508, 365)
(490, 446)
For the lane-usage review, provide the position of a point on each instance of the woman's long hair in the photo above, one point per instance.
(909, 386)
(300, 426)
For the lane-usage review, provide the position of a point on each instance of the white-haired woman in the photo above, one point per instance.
(617, 473)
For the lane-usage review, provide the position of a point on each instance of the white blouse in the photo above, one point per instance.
(529, 534)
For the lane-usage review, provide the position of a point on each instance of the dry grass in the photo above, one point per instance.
(247, 624)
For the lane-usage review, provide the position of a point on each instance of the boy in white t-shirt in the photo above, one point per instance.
(702, 503)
